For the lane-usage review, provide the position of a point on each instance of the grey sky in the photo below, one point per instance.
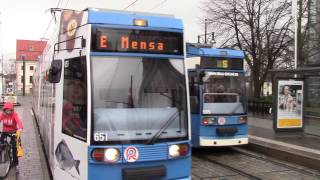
(26, 19)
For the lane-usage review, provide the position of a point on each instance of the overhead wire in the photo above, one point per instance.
(67, 4)
(158, 5)
(131, 4)
(47, 29)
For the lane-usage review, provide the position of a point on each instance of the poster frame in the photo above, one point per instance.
(275, 105)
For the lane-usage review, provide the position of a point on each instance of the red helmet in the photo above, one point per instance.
(8, 105)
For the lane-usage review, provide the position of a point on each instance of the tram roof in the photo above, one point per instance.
(116, 17)
(213, 52)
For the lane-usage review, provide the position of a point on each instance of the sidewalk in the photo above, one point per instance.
(295, 147)
(32, 165)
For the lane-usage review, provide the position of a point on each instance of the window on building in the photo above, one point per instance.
(22, 67)
(30, 48)
(21, 79)
(31, 79)
(23, 56)
(31, 67)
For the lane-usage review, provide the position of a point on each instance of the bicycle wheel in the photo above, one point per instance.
(5, 161)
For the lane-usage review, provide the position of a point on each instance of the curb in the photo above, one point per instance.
(284, 151)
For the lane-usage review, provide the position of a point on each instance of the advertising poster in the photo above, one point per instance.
(290, 104)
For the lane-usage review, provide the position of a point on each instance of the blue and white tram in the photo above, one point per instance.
(218, 102)
(111, 97)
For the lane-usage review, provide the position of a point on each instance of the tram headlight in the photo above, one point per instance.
(208, 121)
(109, 155)
(177, 150)
(140, 22)
(243, 119)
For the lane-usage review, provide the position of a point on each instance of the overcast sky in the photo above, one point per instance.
(28, 19)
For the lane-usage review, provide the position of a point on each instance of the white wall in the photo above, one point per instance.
(29, 73)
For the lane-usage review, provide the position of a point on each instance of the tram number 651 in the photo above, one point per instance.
(100, 137)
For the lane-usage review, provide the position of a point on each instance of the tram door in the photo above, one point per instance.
(71, 127)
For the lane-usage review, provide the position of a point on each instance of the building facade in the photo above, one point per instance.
(27, 51)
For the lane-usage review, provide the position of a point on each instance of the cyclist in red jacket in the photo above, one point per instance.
(11, 123)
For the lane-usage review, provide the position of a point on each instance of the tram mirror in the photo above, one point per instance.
(55, 71)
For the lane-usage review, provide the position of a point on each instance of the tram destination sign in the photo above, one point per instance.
(137, 41)
(221, 63)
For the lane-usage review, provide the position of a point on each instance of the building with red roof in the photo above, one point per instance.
(29, 51)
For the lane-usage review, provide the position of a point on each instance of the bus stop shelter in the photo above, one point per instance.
(311, 94)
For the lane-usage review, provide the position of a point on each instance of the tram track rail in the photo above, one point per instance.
(236, 170)
(232, 153)
(287, 165)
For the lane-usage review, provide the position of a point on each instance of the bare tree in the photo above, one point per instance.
(262, 28)
(308, 32)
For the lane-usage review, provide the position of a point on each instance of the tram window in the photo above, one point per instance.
(74, 110)
(194, 104)
(193, 91)
(30, 79)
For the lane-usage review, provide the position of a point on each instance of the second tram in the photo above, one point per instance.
(110, 97)
(217, 97)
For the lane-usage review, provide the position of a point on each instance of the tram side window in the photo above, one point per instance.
(193, 89)
(74, 110)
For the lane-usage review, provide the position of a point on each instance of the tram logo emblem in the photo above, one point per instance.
(131, 154)
(221, 120)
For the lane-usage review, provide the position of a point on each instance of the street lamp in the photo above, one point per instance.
(24, 75)
(206, 34)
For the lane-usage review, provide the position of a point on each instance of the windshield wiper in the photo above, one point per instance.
(164, 127)
(130, 96)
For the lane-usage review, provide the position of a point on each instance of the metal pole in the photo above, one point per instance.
(205, 31)
(295, 15)
(24, 76)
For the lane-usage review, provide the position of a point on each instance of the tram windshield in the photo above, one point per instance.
(224, 93)
(134, 97)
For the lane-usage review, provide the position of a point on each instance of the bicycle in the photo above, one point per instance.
(6, 152)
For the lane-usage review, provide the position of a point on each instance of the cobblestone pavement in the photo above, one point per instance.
(32, 165)
(204, 167)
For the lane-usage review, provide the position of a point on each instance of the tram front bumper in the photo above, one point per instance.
(204, 141)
